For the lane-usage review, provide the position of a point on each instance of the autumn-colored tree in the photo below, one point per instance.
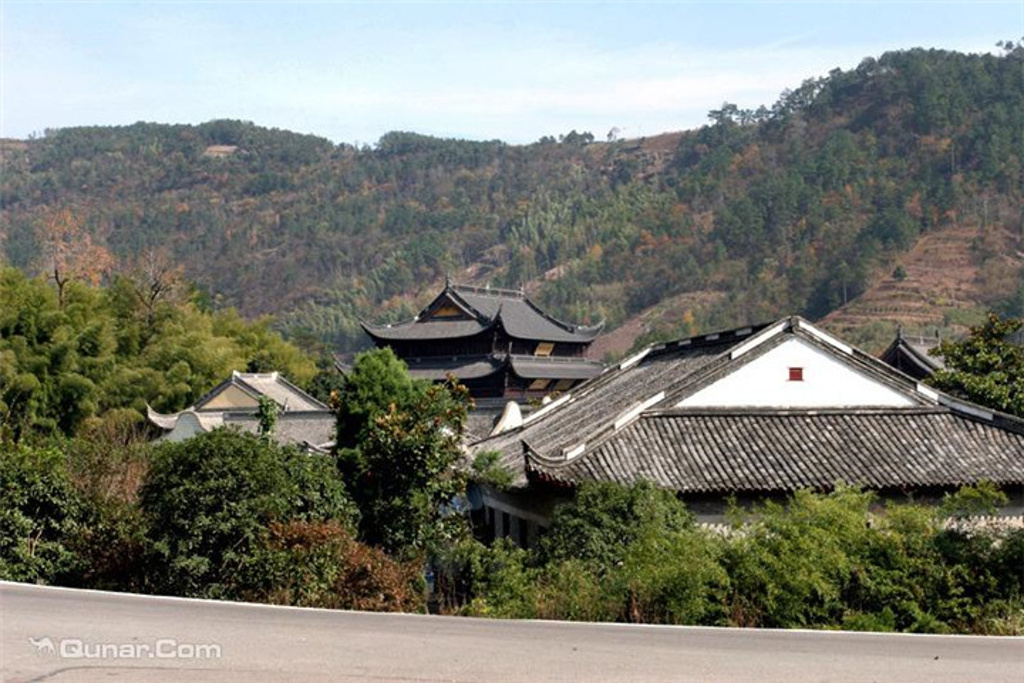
(69, 253)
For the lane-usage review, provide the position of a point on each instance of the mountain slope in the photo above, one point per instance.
(799, 207)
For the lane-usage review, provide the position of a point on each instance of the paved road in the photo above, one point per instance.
(166, 639)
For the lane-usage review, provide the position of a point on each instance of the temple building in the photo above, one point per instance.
(301, 419)
(495, 341)
(747, 415)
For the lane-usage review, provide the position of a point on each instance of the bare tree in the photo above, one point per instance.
(154, 278)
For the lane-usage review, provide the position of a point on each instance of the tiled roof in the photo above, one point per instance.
(427, 329)
(720, 451)
(594, 405)
(622, 426)
(289, 398)
(520, 317)
(284, 393)
(465, 367)
(480, 422)
(270, 384)
(555, 367)
(911, 355)
(530, 367)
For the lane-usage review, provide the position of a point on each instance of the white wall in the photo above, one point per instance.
(187, 427)
(827, 383)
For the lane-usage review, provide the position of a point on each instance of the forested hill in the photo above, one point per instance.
(796, 207)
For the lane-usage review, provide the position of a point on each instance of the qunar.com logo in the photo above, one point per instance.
(161, 648)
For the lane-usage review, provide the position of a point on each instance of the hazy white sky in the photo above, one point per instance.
(351, 71)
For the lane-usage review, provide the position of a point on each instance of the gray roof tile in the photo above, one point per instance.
(520, 317)
(757, 450)
(555, 367)
(620, 426)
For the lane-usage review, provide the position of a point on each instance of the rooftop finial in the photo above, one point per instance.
(447, 280)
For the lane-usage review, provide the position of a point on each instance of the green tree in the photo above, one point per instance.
(398, 447)
(410, 484)
(378, 380)
(40, 514)
(104, 349)
(604, 519)
(987, 367)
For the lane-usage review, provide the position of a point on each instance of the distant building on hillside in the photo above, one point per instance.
(301, 419)
(497, 342)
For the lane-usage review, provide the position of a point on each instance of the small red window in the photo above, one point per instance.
(796, 374)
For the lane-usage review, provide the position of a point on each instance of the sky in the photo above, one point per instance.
(514, 71)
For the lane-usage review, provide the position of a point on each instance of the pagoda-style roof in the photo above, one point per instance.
(527, 367)
(465, 367)
(539, 367)
(465, 311)
(912, 355)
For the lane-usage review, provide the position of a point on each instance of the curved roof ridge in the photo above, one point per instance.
(165, 421)
(568, 327)
(520, 294)
(398, 330)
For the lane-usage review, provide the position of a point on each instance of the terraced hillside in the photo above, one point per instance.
(943, 283)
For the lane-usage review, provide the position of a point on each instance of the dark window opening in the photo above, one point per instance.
(796, 374)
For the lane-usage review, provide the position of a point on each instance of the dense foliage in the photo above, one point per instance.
(226, 515)
(63, 363)
(209, 502)
(39, 515)
(833, 560)
(230, 515)
(604, 519)
(796, 207)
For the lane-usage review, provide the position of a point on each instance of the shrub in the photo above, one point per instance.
(502, 583)
(568, 590)
(604, 519)
(40, 513)
(789, 567)
(673, 577)
(320, 564)
(208, 503)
